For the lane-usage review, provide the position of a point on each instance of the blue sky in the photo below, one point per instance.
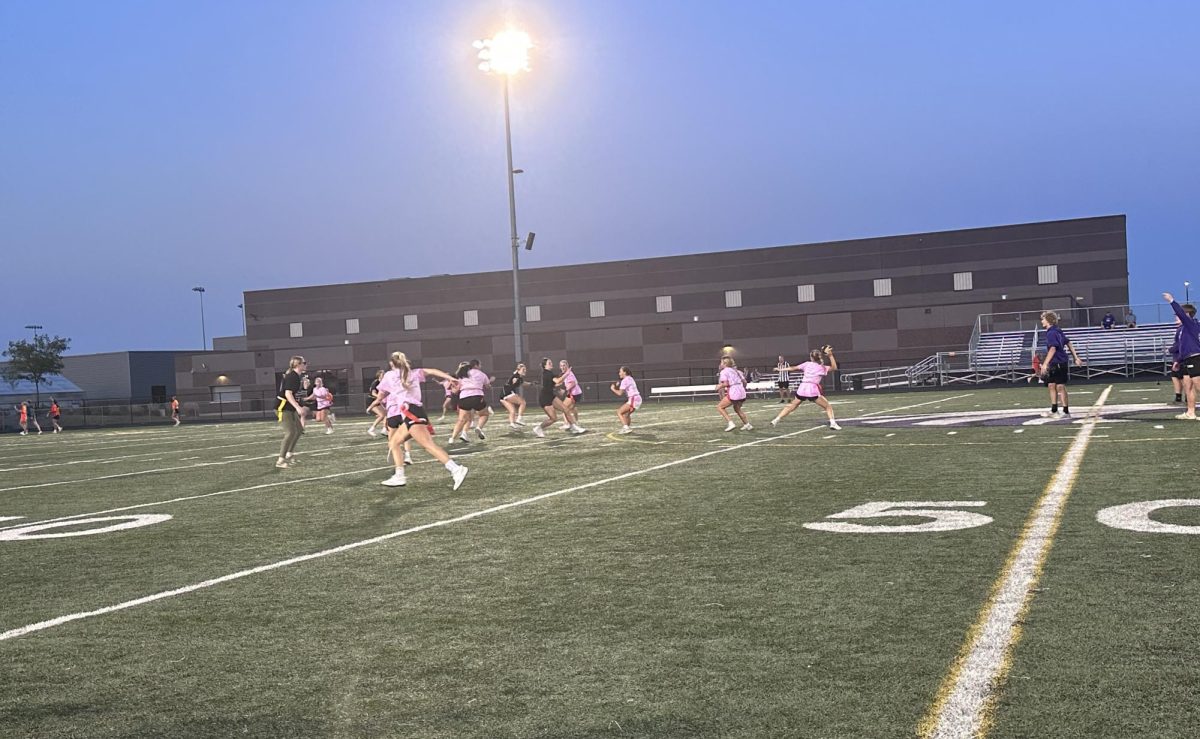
(148, 147)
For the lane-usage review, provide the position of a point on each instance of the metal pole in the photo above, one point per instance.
(512, 221)
(203, 330)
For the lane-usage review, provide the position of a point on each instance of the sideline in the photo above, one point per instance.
(965, 704)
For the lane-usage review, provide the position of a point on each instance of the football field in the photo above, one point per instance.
(949, 564)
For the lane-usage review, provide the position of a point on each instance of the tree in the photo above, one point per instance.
(34, 360)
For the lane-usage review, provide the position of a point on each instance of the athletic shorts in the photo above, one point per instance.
(410, 416)
(809, 398)
(1057, 374)
(454, 401)
(1190, 365)
(546, 399)
(783, 384)
(634, 403)
(577, 398)
(472, 403)
(1177, 374)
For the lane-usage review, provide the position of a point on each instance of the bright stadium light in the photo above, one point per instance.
(506, 54)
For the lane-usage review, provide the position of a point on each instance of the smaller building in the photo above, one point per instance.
(146, 376)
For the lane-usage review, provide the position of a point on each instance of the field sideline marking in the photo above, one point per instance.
(966, 701)
(42, 625)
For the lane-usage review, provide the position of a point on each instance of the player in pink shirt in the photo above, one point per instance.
(731, 386)
(574, 396)
(472, 384)
(400, 390)
(633, 399)
(813, 371)
(324, 400)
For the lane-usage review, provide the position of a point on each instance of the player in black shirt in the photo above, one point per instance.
(549, 397)
(513, 400)
(374, 406)
(291, 411)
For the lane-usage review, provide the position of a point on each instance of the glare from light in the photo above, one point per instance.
(505, 53)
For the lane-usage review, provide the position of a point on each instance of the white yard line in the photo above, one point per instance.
(967, 697)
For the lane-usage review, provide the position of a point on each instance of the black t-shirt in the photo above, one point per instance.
(374, 388)
(290, 381)
(513, 383)
(548, 379)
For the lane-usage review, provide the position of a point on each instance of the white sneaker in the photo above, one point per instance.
(396, 480)
(480, 434)
(833, 425)
(407, 458)
(328, 432)
(39, 432)
(538, 432)
(291, 459)
(774, 422)
(565, 427)
(281, 464)
(731, 426)
(372, 432)
(1049, 414)
(520, 420)
(578, 430)
(1186, 417)
(24, 433)
(463, 438)
(625, 430)
(747, 427)
(514, 427)
(459, 474)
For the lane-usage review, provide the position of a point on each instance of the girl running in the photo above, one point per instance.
(375, 407)
(809, 388)
(401, 393)
(731, 386)
(471, 384)
(633, 399)
(548, 397)
(324, 401)
(513, 401)
(574, 396)
(308, 404)
(27, 415)
(451, 401)
(175, 409)
(55, 414)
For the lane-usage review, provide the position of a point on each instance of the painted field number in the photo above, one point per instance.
(1136, 516)
(942, 513)
(47, 530)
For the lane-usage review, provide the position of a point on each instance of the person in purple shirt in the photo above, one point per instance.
(1109, 321)
(1056, 368)
(1187, 352)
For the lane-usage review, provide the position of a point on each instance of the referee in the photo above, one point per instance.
(782, 370)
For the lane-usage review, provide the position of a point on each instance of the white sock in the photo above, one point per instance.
(451, 465)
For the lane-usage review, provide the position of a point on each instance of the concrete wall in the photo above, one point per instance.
(99, 375)
(923, 315)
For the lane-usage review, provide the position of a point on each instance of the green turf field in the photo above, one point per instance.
(658, 584)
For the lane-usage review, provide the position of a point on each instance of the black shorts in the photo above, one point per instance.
(473, 403)
(1177, 373)
(454, 401)
(1057, 374)
(811, 399)
(1190, 365)
(546, 400)
(783, 384)
(577, 398)
(410, 416)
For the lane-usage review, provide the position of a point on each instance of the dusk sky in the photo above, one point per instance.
(149, 147)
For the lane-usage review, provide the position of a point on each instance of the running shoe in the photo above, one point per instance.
(407, 458)
(514, 427)
(328, 432)
(833, 425)
(281, 464)
(576, 429)
(1186, 417)
(459, 474)
(372, 432)
(774, 422)
(463, 437)
(731, 426)
(625, 430)
(479, 432)
(520, 420)
(538, 432)
(747, 427)
(395, 481)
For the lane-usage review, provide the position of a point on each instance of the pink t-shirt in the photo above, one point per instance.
(810, 383)
(323, 396)
(397, 394)
(630, 388)
(733, 379)
(473, 384)
(571, 384)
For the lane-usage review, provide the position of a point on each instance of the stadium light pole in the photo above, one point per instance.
(242, 307)
(203, 330)
(34, 327)
(1187, 291)
(507, 54)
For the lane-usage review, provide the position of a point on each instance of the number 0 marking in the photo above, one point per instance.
(943, 520)
(1136, 516)
(127, 522)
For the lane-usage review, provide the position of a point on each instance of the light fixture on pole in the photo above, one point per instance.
(34, 327)
(203, 330)
(1187, 291)
(506, 54)
(242, 308)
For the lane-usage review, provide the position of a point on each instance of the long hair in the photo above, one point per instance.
(400, 361)
(295, 362)
(462, 370)
(816, 356)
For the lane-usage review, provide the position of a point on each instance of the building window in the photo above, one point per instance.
(596, 309)
(225, 393)
(533, 313)
(883, 288)
(662, 304)
(296, 330)
(1047, 274)
(963, 281)
(410, 322)
(806, 293)
(351, 325)
(733, 298)
(470, 318)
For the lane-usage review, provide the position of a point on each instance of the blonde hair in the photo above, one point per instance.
(400, 361)
(1050, 317)
(295, 362)
(728, 359)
